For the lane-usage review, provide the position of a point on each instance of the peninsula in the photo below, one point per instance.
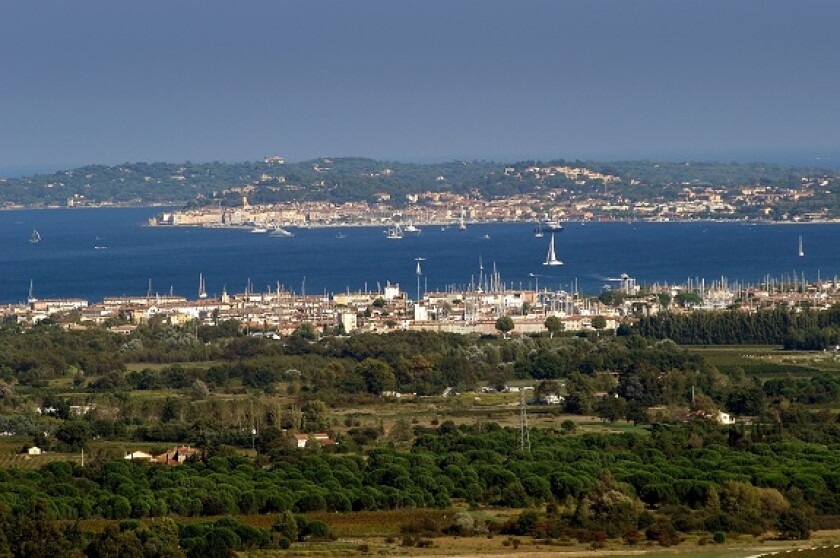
(348, 191)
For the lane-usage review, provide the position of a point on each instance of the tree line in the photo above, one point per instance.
(801, 329)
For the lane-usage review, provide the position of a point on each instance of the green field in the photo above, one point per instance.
(762, 361)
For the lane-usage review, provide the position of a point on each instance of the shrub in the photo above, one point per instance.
(632, 537)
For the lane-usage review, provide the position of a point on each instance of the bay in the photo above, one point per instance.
(67, 262)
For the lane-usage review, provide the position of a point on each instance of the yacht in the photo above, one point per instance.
(552, 225)
(411, 229)
(280, 231)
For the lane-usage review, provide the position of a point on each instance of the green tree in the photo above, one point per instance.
(112, 543)
(688, 299)
(307, 331)
(74, 434)
(611, 298)
(199, 390)
(611, 408)
(599, 322)
(285, 527)
(378, 375)
(554, 325)
(793, 524)
(505, 325)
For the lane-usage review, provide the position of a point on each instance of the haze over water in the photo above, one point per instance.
(66, 263)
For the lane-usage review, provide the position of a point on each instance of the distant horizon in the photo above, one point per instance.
(497, 80)
(823, 160)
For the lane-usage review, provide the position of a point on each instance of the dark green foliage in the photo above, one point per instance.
(505, 324)
(286, 527)
(793, 525)
(806, 330)
(345, 179)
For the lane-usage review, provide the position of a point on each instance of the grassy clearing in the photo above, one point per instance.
(500, 546)
(138, 366)
(380, 533)
(763, 361)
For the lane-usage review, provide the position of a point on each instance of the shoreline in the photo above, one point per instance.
(511, 222)
(422, 224)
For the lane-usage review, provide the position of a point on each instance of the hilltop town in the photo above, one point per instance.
(561, 192)
(353, 191)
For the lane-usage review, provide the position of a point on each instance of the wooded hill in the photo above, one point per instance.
(357, 179)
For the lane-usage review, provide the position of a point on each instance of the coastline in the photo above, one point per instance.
(500, 222)
(100, 206)
(433, 223)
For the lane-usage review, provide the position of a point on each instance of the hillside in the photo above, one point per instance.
(360, 179)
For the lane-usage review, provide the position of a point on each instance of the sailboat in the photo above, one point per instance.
(202, 290)
(551, 257)
(801, 250)
(538, 232)
(36, 237)
(395, 232)
(462, 226)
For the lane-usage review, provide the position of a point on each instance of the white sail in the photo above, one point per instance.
(31, 297)
(395, 232)
(801, 249)
(551, 257)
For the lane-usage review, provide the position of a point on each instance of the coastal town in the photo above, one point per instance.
(475, 309)
(586, 195)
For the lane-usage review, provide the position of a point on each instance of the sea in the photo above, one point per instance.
(94, 253)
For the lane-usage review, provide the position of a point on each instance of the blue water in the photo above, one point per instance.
(66, 264)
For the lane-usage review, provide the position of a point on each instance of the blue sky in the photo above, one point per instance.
(98, 81)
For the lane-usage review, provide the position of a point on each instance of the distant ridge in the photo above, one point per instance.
(361, 179)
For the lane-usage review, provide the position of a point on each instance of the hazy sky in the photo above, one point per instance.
(104, 81)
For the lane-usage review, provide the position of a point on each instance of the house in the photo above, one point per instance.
(301, 441)
(139, 456)
(35, 450)
(323, 438)
(717, 417)
(724, 418)
(551, 399)
(176, 455)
